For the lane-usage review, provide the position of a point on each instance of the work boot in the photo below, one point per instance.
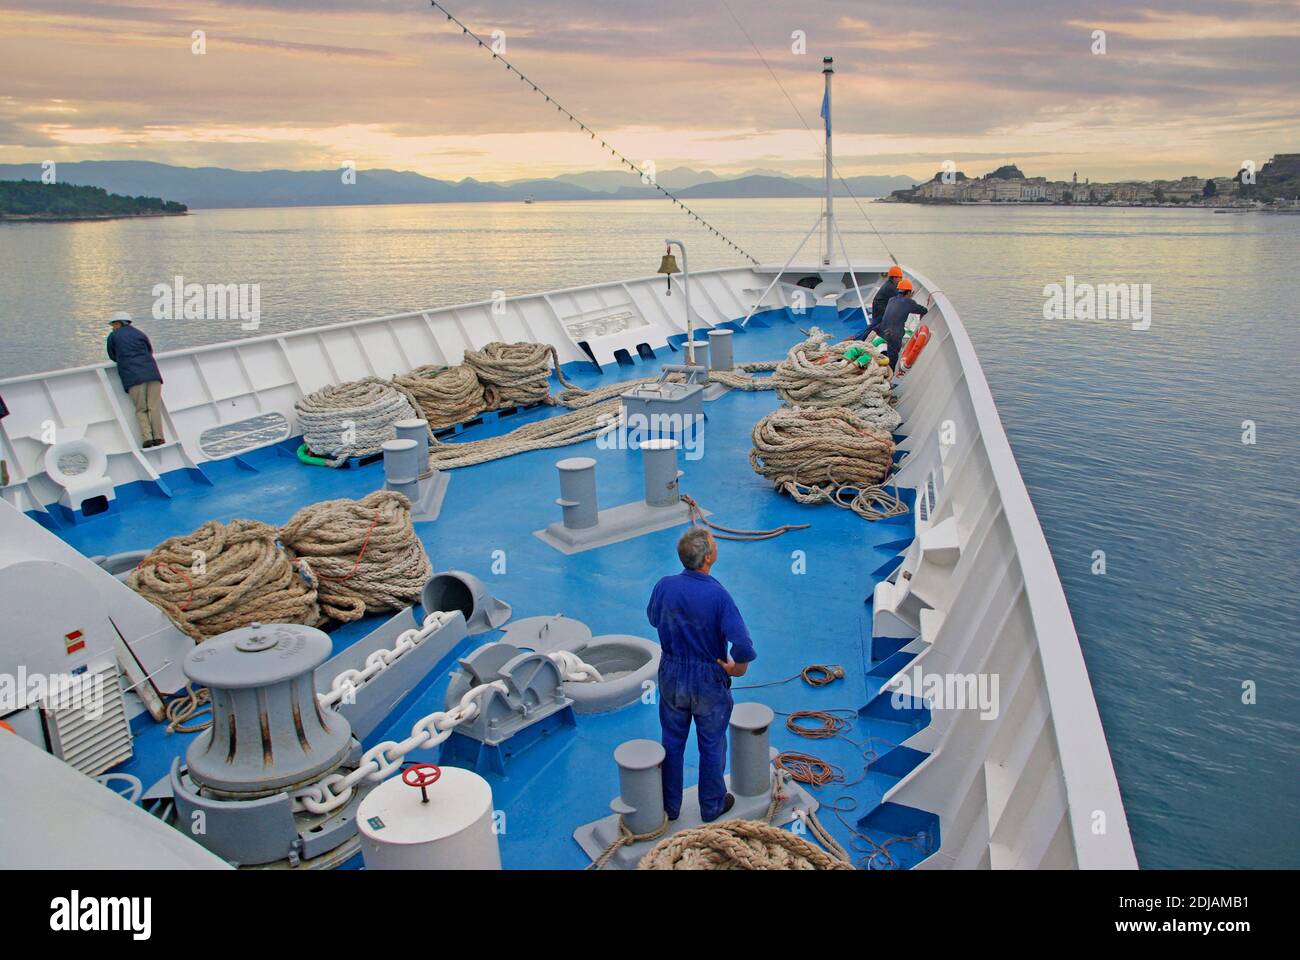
(728, 802)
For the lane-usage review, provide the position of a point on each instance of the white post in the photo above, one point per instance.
(686, 294)
(827, 71)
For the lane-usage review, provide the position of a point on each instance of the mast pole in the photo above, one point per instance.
(827, 71)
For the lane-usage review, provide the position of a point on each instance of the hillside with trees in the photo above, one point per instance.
(33, 200)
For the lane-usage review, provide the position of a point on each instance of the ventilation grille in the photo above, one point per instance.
(88, 725)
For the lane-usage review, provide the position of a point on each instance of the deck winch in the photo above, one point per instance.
(269, 735)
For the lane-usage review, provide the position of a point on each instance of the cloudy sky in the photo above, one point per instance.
(1184, 86)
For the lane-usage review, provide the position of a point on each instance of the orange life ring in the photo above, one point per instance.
(916, 345)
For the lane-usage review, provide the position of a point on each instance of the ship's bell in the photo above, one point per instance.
(668, 266)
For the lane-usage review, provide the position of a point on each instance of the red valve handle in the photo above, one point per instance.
(421, 775)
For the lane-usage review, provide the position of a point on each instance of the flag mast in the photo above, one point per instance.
(827, 71)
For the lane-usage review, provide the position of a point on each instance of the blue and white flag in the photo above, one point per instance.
(826, 111)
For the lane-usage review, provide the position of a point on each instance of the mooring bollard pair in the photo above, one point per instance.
(578, 483)
(406, 469)
(641, 791)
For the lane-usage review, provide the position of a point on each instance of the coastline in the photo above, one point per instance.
(81, 218)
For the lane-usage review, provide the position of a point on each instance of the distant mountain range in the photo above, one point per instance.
(208, 187)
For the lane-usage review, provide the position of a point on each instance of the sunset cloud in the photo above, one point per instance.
(1185, 87)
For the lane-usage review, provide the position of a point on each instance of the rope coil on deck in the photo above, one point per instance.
(515, 374)
(444, 395)
(814, 374)
(225, 576)
(822, 455)
(364, 553)
(352, 419)
(739, 845)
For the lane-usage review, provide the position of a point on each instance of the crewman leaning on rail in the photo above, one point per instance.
(895, 318)
(133, 353)
(704, 644)
(878, 303)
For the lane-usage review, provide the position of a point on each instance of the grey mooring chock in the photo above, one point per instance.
(407, 471)
(584, 527)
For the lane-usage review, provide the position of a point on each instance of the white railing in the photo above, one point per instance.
(225, 384)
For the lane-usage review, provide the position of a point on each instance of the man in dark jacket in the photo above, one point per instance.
(133, 353)
(878, 303)
(895, 318)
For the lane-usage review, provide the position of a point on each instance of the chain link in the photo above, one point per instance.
(385, 759)
(345, 685)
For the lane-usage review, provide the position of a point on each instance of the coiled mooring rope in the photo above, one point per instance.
(364, 553)
(515, 374)
(224, 576)
(820, 455)
(444, 395)
(814, 374)
(352, 419)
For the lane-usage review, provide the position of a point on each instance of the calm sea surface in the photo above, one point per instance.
(1130, 441)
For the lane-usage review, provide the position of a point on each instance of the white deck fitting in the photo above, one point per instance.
(1021, 790)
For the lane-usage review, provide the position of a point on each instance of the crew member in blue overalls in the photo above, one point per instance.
(705, 643)
(895, 318)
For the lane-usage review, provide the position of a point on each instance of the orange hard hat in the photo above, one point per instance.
(904, 286)
(896, 272)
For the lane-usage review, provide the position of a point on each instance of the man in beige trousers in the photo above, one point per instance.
(133, 353)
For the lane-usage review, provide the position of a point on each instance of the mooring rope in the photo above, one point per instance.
(626, 838)
(185, 707)
(364, 553)
(225, 576)
(445, 395)
(593, 412)
(814, 374)
(568, 428)
(731, 533)
(515, 374)
(749, 845)
(818, 455)
(352, 419)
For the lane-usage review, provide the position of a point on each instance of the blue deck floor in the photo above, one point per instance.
(565, 780)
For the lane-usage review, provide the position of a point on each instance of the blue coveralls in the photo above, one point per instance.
(891, 325)
(697, 620)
